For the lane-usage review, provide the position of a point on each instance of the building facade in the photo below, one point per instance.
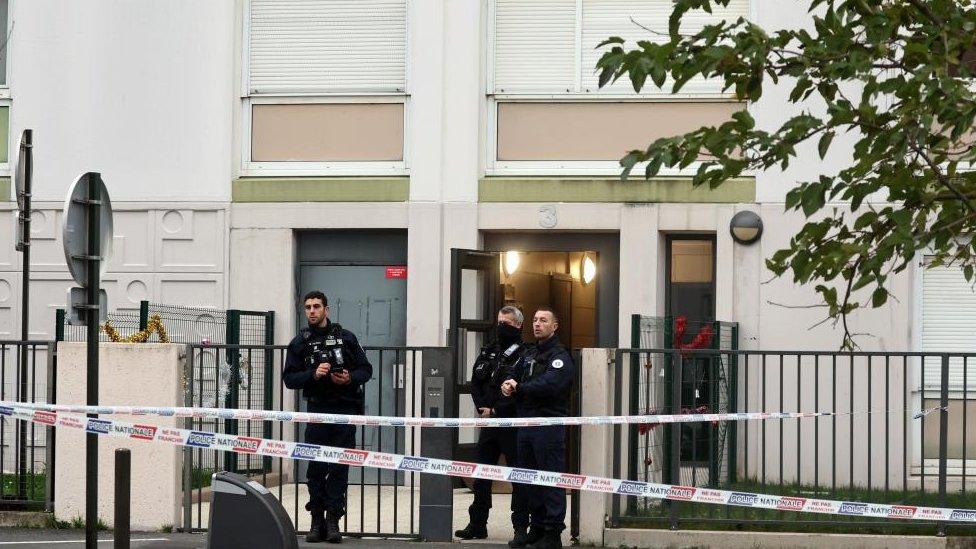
(255, 149)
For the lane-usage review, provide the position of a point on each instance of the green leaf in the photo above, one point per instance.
(824, 143)
(879, 297)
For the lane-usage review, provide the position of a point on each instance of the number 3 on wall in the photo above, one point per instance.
(547, 216)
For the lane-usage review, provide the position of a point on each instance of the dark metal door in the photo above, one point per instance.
(475, 299)
(370, 303)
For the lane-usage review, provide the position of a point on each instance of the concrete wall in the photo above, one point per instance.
(129, 374)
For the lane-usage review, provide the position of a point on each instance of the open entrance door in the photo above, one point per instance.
(475, 299)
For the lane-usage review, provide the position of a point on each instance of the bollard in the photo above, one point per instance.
(123, 489)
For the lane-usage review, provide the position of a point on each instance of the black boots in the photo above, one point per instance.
(472, 531)
(551, 539)
(332, 534)
(315, 532)
(325, 527)
(523, 538)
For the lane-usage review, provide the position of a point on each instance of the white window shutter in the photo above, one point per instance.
(535, 46)
(309, 46)
(625, 18)
(948, 325)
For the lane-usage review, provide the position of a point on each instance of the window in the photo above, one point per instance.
(948, 317)
(546, 112)
(549, 46)
(327, 46)
(325, 87)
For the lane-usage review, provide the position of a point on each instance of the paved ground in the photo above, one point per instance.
(29, 539)
(382, 510)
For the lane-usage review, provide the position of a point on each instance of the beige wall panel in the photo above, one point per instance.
(327, 132)
(596, 131)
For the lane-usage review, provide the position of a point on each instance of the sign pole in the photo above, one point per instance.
(92, 306)
(25, 157)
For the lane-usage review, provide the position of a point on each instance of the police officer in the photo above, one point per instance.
(327, 363)
(543, 390)
(494, 365)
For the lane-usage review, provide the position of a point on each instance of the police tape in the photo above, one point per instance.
(382, 460)
(394, 421)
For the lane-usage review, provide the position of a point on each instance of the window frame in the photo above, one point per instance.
(585, 168)
(588, 168)
(249, 168)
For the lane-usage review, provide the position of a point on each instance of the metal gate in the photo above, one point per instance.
(377, 505)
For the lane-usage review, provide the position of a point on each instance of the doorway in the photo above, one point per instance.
(565, 281)
(363, 275)
(690, 306)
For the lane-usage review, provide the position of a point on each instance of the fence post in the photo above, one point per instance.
(233, 382)
(677, 363)
(734, 405)
(269, 377)
(670, 405)
(943, 436)
(187, 451)
(143, 315)
(59, 325)
(618, 382)
(51, 440)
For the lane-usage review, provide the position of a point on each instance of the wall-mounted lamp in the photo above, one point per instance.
(587, 268)
(746, 227)
(511, 262)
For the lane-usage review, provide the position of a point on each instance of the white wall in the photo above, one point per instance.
(140, 91)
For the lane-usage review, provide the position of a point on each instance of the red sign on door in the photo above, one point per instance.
(396, 272)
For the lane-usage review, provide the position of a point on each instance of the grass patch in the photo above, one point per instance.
(76, 523)
(650, 513)
(35, 488)
(200, 478)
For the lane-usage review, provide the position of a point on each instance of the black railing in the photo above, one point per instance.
(26, 450)
(873, 449)
(380, 502)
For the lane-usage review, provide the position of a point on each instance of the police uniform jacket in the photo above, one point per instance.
(493, 366)
(300, 368)
(545, 380)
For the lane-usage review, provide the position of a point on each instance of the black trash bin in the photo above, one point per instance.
(243, 513)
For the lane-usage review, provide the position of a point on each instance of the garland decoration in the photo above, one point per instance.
(155, 325)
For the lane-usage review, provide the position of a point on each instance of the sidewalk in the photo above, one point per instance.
(377, 514)
(31, 539)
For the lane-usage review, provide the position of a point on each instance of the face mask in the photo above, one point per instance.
(508, 334)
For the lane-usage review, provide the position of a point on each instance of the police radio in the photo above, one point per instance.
(322, 353)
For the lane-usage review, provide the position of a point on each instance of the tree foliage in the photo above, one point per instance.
(897, 75)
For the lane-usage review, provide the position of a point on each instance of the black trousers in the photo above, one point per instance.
(492, 444)
(327, 482)
(543, 449)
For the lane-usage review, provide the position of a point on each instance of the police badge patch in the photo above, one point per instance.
(557, 364)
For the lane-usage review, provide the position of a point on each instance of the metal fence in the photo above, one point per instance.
(183, 324)
(380, 503)
(26, 450)
(872, 450)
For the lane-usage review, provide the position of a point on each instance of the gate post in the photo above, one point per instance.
(437, 492)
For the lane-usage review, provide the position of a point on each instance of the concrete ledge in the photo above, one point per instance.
(25, 519)
(702, 539)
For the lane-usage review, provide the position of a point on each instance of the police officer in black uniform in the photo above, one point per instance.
(494, 365)
(543, 390)
(327, 363)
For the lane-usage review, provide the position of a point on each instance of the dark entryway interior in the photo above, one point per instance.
(554, 279)
(550, 273)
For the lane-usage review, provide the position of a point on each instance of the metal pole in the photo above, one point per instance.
(677, 364)
(91, 442)
(943, 436)
(24, 247)
(123, 470)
